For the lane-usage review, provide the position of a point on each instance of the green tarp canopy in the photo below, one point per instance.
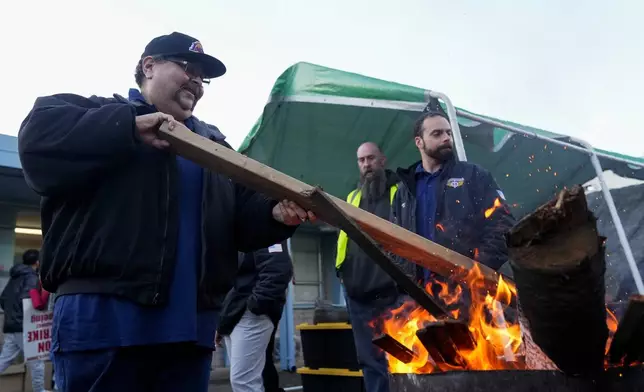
(316, 117)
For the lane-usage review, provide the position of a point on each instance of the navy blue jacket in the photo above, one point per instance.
(464, 192)
(260, 286)
(110, 204)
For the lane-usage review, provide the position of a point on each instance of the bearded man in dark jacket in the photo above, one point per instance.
(368, 289)
(140, 245)
(455, 204)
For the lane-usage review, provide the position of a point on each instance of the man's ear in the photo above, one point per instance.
(147, 65)
(419, 142)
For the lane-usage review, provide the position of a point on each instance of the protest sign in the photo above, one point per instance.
(37, 331)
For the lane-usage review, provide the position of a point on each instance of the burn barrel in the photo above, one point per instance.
(622, 380)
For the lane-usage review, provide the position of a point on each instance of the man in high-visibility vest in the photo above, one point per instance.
(368, 289)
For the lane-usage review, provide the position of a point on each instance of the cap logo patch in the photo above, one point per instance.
(196, 47)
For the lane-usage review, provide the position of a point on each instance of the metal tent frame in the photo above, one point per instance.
(287, 348)
(585, 148)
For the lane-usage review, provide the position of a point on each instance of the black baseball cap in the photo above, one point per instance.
(185, 47)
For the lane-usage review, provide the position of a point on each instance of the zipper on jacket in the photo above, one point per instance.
(155, 299)
(204, 197)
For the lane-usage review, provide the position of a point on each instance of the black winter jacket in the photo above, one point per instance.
(22, 279)
(362, 278)
(260, 286)
(110, 208)
(464, 193)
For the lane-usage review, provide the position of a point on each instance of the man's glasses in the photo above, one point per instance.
(191, 69)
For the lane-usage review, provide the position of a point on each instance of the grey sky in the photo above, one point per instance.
(573, 68)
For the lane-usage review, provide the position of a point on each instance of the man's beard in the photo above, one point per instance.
(441, 154)
(373, 185)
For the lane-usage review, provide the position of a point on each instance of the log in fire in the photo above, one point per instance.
(549, 325)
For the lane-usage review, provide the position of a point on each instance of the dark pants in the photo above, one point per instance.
(269, 375)
(371, 358)
(160, 368)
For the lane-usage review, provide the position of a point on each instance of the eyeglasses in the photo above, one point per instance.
(191, 69)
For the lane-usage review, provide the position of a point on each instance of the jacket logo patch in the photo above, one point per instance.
(455, 182)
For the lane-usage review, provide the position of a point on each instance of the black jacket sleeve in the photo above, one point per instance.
(493, 251)
(274, 272)
(255, 227)
(67, 139)
(3, 298)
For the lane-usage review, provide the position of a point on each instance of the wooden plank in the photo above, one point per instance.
(394, 348)
(557, 258)
(327, 208)
(275, 184)
(444, 340)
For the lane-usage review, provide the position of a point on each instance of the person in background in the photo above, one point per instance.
(445, 201)
(23, 283)
(368, 289)
(270, 375)
(140, 244)
(249, 317)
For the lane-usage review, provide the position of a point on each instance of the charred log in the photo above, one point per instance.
(394, 348)
(557, 258)
(627, 346)
(444, 340)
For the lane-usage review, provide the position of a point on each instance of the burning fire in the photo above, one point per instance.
(496, 340)
(611, 321)
(490, 211)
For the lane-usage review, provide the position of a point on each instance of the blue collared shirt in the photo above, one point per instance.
(426, 191)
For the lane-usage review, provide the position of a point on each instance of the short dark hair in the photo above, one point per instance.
(418, 125)
(139, 76)
(30, 257)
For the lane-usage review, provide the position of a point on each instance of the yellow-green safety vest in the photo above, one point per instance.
(343, 239)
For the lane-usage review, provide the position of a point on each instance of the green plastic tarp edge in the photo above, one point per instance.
(305, 79)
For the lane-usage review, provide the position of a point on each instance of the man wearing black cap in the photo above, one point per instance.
(140, 245)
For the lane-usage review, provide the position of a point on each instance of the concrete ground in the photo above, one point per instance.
(219, 381)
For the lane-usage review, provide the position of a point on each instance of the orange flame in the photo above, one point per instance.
(497, 341)
(490, 211)
(611, 321)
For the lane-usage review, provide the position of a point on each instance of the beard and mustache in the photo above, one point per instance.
(373, 184)
(441, 154)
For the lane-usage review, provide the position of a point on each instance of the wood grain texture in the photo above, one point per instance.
(557, 258)
(277, 185)
(325, 206)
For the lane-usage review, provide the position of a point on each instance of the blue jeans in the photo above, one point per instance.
(371, 358)
(154, 368)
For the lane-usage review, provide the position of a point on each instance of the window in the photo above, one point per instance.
(27, 232)
(305, 252)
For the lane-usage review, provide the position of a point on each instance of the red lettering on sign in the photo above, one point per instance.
(44, 347)
(39, 334)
